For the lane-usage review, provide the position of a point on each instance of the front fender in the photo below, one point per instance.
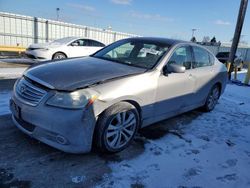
(101, 105)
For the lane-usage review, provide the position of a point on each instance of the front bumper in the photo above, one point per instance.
(67, 130)
(40, 55)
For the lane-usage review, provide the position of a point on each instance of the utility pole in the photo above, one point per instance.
(57, 14)
(237, 33)
(193, 30)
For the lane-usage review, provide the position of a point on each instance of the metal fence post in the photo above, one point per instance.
(35, 30)
(86, 32)
(47, 31)
(114, 36)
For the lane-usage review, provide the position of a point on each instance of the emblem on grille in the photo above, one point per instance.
(22, 89)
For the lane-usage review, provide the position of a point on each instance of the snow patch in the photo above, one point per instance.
(210, 151)
(11, 72)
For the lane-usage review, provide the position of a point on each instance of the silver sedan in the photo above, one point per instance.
(103, 100)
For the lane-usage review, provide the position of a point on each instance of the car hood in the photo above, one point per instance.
(45, 45)
(72, 74)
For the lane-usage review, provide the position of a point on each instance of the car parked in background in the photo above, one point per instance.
(224, 58)
(105, 98)
(63, 48)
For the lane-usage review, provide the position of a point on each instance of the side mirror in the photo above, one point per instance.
(173, 68)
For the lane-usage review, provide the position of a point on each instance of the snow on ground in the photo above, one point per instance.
(210, 151)
(4, 102)
(213, 150)
(11, 72)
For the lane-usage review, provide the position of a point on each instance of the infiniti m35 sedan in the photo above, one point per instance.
(102, 100)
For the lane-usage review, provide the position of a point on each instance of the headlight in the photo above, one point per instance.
(74, 100)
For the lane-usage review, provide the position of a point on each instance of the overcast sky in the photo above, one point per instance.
(167, 18)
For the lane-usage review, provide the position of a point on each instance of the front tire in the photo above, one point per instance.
(212, 98)
(116, 127)
(59, 55)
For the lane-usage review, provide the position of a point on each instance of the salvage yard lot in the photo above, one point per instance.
(191, 150)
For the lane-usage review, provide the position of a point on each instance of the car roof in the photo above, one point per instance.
(76, 38)
(166, 41)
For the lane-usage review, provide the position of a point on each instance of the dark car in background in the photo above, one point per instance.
(223, 57)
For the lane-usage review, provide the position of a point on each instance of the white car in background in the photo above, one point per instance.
(63, 48)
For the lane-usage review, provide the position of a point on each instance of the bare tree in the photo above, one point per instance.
(193, 39)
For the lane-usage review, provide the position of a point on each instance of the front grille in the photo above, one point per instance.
(29, 93)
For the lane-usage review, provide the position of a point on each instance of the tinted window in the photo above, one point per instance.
(201, 57)
(95, 43)
(80, 42)
(182, 56)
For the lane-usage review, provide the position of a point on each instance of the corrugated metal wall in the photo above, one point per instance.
(25, 30)
(245, 52)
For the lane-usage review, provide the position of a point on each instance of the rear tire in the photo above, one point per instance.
(116, 127)
(212, 98)
(59, 55)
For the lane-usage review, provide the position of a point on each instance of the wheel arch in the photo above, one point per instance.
(134, 103)
(131, 101)
(59, 52)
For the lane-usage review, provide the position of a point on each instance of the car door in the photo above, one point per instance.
(203, 71)
(78, 48)
(175, 90)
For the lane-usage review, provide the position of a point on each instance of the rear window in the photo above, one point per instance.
(202, 58)
(95, 43)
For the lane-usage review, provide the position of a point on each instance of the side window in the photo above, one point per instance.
(95, 43)
(201, 57)
(80, 42)
(182, 56)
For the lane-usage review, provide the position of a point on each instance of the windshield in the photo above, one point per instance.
(133, 52)
(63, 40)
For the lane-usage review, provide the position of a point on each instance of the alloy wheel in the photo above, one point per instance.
(121, 129)
(213, 98)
